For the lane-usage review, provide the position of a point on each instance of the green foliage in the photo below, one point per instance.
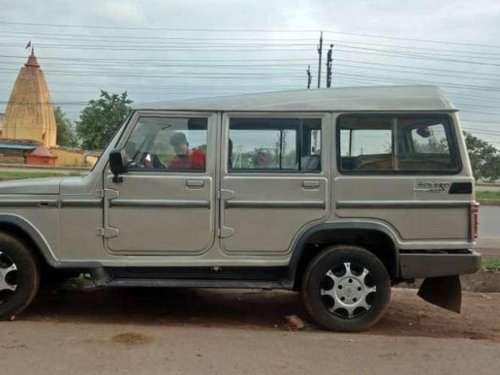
(491, 264)
(66, 136)
(484, 158)
(101, 119)
(488, 195)
(14, 175)
(432, 146)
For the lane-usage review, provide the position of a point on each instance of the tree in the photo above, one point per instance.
(101, 119)
(65, 133)
(484, 158)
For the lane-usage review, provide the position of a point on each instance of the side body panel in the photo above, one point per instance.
(423, 217)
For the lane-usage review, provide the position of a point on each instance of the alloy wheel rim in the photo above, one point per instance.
(347, 290)
(8, 277)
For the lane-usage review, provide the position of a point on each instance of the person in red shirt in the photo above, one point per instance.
(185, 158)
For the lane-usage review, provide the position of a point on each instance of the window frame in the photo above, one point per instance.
(449, 127)
(125, 137)
(273, 115)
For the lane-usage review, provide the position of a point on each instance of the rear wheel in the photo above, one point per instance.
(19, 276)
(346, 288)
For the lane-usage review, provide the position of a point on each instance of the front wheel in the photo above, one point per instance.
(19, 276)
(346, 288)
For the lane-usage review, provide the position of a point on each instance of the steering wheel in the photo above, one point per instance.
(148, 161)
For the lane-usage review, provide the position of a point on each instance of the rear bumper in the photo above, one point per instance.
(422, 265)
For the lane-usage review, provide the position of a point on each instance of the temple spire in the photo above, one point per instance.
(32, 61)
(29, 113)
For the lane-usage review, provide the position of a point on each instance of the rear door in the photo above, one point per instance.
(273, 180)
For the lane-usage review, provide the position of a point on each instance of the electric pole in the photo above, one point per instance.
(309, 77)
(320, 53)
(329, 62)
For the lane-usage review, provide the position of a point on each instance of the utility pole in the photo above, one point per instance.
(320, 53)
(309, 77)
(329, 62)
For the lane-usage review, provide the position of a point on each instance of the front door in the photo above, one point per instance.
(273, 181)
(164, 205)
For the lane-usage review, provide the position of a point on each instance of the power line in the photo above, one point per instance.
(425, 70)
(148, 37)
(196, 42)
(403, 80)
(229, 63)
(429, 73)
(371, 51)
(199, 75)
(406, 47)
(246, 31)
(480, 121)
(85, 59)
(158, 49)
(258, 48)
(250, 75)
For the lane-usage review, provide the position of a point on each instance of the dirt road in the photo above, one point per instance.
(153, 331)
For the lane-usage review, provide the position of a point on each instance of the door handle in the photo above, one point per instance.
(310, 184)
(195, 183)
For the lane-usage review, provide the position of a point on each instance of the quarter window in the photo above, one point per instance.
(397, 144)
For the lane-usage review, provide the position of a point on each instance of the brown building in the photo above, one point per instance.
(29, 113)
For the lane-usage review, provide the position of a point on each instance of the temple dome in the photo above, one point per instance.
(29, 113)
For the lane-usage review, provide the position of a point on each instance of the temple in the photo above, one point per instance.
(29, 114)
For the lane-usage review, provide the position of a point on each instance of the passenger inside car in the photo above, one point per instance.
(185, 158)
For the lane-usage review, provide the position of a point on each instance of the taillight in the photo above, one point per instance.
(474, 221)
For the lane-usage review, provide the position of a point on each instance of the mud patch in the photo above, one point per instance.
(131, 338)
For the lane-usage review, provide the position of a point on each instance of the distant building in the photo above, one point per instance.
(29, 113)
(28, 129)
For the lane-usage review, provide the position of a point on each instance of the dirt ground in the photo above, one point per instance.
(227, 332)
(407, 314)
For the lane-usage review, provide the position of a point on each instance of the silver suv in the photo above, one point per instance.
(336, 193)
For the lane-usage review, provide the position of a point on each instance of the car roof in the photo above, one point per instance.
(372, 98)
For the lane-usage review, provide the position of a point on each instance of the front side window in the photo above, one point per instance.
(274, 145)
(172, 144)
(402, 144)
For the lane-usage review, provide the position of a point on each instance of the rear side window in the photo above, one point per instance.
(403, 144)
(274, 145)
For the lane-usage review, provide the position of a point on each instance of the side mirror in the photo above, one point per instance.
(118, 164)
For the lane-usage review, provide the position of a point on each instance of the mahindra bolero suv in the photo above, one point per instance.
(334, 193)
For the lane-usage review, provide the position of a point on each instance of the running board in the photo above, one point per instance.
(185, 283)
(194, 277)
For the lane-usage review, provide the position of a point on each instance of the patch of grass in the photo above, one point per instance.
(16, 175)
(488, 195)
(491, 264)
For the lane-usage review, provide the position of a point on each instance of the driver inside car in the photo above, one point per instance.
(185, 158)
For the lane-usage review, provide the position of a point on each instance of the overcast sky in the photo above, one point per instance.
(160, 50)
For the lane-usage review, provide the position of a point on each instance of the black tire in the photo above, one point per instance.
(322, 295)
(26, 277)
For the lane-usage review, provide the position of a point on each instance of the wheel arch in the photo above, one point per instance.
(375, 237)
(27, 232)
